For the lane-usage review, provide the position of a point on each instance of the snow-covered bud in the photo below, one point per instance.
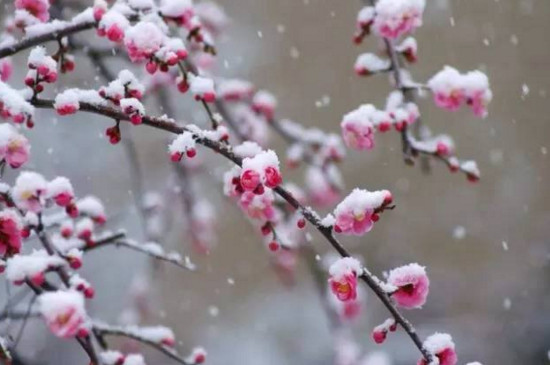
(113, 25)
(133, 108)
(202, 88)
(441, 345)
(61, 191)
(183, 144)
(369, 63)
(264, 103)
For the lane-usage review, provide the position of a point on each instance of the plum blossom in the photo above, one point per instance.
(133, 108)
(14, 147)
(29, 191)
(143, 40)
(412, 285)
(258, 207)
(10, 232)
(202, 88)
(264, 103)
(38, 8)
(67, 102)
(397, 17)
(180, 11)
(197, 356)
(61, 191)
(63, 312)
(113, 26)
(451, 90)
(93, 208)
(343, 278)
(358, 129)
(262, 169)
(380, 332)
(183, 144)
(355, 215)
(441, 345)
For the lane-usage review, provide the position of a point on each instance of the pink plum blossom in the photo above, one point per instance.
(343, 278)
(412, 285)
(355, 215)
(14, 147)
(10, 232)
(63, 311)
(397, 17)
(441, 345)
(38, 8)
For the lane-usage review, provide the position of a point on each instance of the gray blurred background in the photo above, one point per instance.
(486, 245)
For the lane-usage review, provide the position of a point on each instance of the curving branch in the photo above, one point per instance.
(101, 330)
(151, 249)
(225, 150)
(55, 34)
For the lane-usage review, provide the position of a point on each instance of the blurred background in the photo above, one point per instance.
(486, 246)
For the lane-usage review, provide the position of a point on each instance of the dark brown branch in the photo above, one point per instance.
(29, 42)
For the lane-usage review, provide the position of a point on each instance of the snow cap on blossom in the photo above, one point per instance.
(37, 8)
(409, 49)
(113, 26)
(63, 311)
(14, 147)
(397, 17)
(184, 143)
(143, 40)
(111, 357)
(355, 215)
(442, 346)
(262, 169)
(41, 66)
(134, 359)
(129, 81)
(202, 88)
(451, 90)
(235, 89)
(178, 10)
(29, 190)
(358, 129)
(133, 108)
(365, 17)
(93, 208)
(31, 267)
(264, 103)
(61, 191)
(13, 105)
(343, 278)
(10, 232)
(197, 356)
(412, 285)
(67, 102)
(380, 332)
(471, 169)
(369, 63)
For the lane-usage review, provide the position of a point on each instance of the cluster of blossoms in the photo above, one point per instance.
(451, 90)
(124, 92)
(359, 125)
(13, 106)
(390, 18)
(29, 12)
(42, 68)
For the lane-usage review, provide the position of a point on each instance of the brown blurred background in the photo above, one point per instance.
(489, 288)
